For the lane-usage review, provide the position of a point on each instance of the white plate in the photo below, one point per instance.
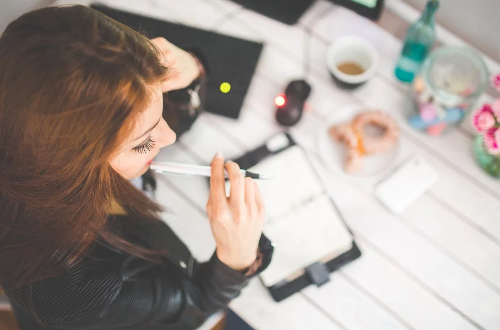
(334, 153)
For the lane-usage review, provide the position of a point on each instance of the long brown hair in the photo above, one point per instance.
(72, 81)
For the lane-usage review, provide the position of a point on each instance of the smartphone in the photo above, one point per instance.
(406, 184)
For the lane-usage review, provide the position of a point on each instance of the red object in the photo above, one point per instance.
(149, 163)
(280, 100)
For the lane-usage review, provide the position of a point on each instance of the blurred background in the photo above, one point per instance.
(476, 22)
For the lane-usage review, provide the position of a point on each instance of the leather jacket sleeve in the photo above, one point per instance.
(151, 295)
(113, 290)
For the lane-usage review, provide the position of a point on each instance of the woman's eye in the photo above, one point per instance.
(145, 147)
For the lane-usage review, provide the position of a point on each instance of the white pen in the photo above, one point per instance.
(189, 170)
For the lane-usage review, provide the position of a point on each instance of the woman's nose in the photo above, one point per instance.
(166, 135)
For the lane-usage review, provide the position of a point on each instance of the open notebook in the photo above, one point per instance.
(302, 220)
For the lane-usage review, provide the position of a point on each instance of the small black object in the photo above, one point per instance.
(370, 11)
(318, 273)
(286, 11)
(231, 59)
(296, 93)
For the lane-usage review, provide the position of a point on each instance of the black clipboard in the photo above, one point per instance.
(317, 273)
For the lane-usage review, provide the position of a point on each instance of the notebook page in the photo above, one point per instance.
(301, 221)
(293, 183)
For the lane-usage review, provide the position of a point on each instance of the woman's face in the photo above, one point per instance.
(149, 134)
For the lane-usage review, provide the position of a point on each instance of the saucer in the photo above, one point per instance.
(334, 153)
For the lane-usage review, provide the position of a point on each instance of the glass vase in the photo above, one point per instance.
(450, 82)
(488, 162)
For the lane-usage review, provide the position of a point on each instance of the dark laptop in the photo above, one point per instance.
(232, 60)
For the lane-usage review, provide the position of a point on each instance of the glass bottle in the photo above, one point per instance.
(418, 41)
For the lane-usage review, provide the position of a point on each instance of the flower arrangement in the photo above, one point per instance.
(495, 81)
(486, 121)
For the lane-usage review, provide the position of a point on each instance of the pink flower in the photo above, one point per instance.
(496, 109)
(495, 81)
(484, 119)
(492, 140)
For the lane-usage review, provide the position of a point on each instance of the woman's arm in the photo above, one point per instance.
(153, 295)
(115, 290)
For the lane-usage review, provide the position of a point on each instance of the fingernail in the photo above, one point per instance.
(218, 155)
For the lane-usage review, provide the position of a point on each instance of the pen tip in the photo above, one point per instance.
(257, 176)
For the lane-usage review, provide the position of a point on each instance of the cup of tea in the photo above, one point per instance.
(352, 61)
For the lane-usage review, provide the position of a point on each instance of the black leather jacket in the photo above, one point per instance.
(111, 289)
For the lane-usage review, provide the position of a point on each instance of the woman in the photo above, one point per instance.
(80, 246)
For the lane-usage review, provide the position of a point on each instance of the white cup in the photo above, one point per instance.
(352, 49)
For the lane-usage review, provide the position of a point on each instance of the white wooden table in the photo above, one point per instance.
(436, 266)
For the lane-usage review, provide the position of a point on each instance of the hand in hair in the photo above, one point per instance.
(183, 66)
(237, 220)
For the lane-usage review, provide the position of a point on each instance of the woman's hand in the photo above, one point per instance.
(184, 67)
(236, 220)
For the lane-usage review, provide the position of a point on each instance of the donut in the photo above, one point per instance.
(358, 144)
(354, 161)
(344, 133)
(380, 144)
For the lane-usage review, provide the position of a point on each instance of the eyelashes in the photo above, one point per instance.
(146, 147)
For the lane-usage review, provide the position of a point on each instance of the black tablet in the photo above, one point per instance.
(367, 8)
(232, 61)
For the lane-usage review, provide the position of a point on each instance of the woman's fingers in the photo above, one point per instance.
(259, 201)
(209, 207)
(164, 46)
(250, 197)
(182, 65)
(237, 221)
(237, 184)
(217, 183)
